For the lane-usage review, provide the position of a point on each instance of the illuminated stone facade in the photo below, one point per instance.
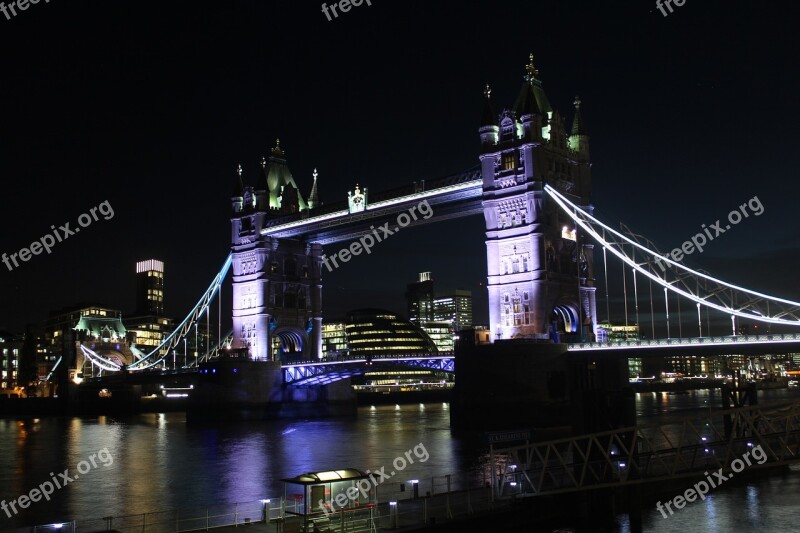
(277, 287)
(540, 269)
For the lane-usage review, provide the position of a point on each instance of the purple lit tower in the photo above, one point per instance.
(277, 288)
(540, 266)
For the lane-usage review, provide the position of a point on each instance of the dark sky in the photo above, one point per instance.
(150, 106)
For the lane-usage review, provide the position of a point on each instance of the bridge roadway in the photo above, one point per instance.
(328, 370)
(451, 197)
(713, 345)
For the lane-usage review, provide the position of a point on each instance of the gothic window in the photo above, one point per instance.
(524, 215)
(527, 309)
(525, 296)
(517, 312)
(525, 266)
(516, 265)
(502, 220)
(508, 161)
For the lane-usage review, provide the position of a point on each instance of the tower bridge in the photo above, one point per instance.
(533, 188)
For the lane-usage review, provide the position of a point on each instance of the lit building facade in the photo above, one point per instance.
(148, 327)
(150, 287)
(419, 296)
(94, 327)
(455, 308)
(277, 283)
(619, 332)
(334, 339)
(10, 349)
(442, 333)
(376, 331)
(540, 266)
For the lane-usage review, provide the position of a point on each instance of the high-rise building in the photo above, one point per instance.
(150, 287)
(10, 348)
(455, 308)
(419, 296)
(148, 326)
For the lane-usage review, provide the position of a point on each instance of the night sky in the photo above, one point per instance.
(152, 105)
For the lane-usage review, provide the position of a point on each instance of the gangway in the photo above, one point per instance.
(727, 441)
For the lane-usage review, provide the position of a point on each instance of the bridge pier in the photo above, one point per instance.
(238, 388)
(540, 386)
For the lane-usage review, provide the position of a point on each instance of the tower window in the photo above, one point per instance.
(508, 161)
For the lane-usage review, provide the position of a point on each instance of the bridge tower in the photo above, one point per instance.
(540, 266)
(277, 286)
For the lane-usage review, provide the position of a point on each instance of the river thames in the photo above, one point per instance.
(155, 462)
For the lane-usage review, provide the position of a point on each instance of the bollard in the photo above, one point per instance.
(393, 514)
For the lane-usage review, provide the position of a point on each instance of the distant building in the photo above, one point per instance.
(441, 317)
(150, 287)
(334, 339)
(441, 333)
(419, 296)
(148, 327)
(609, 332)
(98, 329)
(376, 331)
(10, 348)
(455, 308)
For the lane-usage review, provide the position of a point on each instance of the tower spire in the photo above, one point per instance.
(313, 197)
(578, 127)
(237, 198)
(530, 68)
(488, 118)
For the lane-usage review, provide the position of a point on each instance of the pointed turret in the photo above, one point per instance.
(238, 191)
(275, 178)
(489, 129)
(488, 118)
(313, 198)
(579, 138)
(532, 98)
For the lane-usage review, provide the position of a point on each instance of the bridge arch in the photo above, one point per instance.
(566, 320)
(288, 342)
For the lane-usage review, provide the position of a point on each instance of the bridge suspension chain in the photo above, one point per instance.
(184, 328)
(697, 286)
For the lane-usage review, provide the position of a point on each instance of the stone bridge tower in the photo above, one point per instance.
(540, 266)
(277, 286)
